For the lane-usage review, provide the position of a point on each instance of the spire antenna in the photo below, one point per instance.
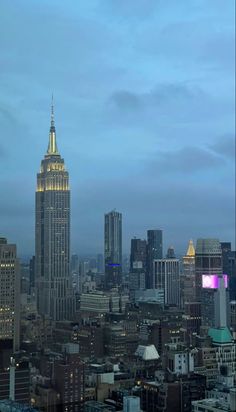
(52, 113)
(52, 145)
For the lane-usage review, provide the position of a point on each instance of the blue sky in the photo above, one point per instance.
(144, 108)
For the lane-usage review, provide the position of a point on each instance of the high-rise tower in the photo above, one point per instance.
(188, 279)
(167, 278)
(113, 249)
(154, 251)
(138, 254)
(208, 264)
(52, 243)
(9, 294)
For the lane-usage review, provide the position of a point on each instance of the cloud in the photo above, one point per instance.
(161, 94)
(181, 208)
(186, 160)
(219, 50)
(179, 100)
(141, 93)
(225, 146)
(126, 100)
(130, 9)
(3, 154)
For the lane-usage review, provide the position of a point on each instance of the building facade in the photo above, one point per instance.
(188, 277)
(52, 230)
(69, 379)
(167, 278)
(154, 251)
(208, 263)
(138, 254)
(9, 294)
(113, 249)
(131, 404)
(15, 382)
(229, 267)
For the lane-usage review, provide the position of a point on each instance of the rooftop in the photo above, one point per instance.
(147, 353)
(220, 335)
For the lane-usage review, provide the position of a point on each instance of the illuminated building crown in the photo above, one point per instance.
(191, 249)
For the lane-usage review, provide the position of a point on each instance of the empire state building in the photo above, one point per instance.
(52, 232)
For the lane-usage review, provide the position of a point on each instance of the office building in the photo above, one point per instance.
(131, 404)
(233, 318)
(208, 263)
(69, 379)
(52, 242)
(214, 405)
(8, 405)
(179, 360)
(220, 332)
(208, 260)
(138, 254)
(74, 264)
(103, 302)
(176, 394)
(25, 278)
(91, 341)
(32, 273)
(229, 267)
(9, 294)
(191, 320)
(113, 249)
(154, 251)
(167, 278)
(100, 263)
(96, 406)
(170, 253)
(138, 261)
(188, 277)
(83, 269)
(232, 275)
(6, 351)
(137, 282)
(226, 252)
(15, 381)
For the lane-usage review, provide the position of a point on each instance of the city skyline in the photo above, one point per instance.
(164, 118)
(117, 206)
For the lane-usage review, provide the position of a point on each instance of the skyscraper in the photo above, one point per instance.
(170, 253)
(32, 273)
(138, 264)
(220, 332)
(208, 263)
(138, 254)
(192, 308)
(188, 278)
(52, 253)
(100, 263)
(113, 249)
(154, 251)
(229, 267)
(167, 278)
(9, 294)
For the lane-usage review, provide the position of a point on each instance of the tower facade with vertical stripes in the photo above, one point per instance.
(52, 234)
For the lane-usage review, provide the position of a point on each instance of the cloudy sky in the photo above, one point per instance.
(144, 108)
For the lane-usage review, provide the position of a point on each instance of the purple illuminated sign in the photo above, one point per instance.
(213, 281)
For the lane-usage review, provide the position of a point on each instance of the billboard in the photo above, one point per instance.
(213, 281)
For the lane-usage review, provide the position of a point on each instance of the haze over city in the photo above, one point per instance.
(144, 113)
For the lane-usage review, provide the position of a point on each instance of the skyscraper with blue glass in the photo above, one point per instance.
(113, 249)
